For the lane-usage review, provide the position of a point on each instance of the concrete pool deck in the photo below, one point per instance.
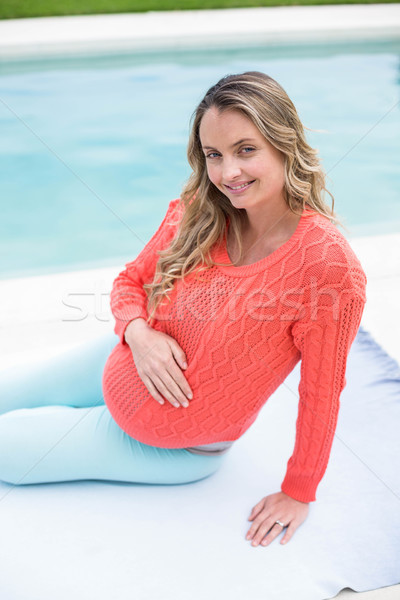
(72, 35)
(46, 314)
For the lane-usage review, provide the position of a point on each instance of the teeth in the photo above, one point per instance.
(239, 187)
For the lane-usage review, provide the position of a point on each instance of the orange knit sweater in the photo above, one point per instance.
(243, 329)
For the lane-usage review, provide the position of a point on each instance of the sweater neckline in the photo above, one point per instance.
(221, 255)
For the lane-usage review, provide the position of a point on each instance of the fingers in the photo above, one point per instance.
(170, 390)
(178, 354)
(273, 515)
(171, 383)
(262, 524)
(256, 509)
(153, 391)
(156, 387)
(176, 373)
(265, 530)
(164, 386)
(272, 534)
(179, 378)
(159, 362)
(289, 532)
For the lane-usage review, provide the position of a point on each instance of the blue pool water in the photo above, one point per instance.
(92, 150)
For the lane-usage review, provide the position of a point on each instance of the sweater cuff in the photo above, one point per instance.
(300, 487)
(122, 320)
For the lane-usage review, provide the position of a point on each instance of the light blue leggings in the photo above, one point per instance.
(54, 426)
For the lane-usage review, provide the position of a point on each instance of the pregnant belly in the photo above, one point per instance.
(143, 418)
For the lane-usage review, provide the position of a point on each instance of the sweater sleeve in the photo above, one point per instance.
(324, 344)
(128, 298)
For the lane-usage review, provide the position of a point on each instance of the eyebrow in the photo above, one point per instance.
(233, 145)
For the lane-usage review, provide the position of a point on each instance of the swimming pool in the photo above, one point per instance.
(93, 149)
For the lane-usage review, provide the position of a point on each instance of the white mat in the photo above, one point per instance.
(106, 540)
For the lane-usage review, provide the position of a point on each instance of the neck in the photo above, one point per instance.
(277, 221)
(262, 236)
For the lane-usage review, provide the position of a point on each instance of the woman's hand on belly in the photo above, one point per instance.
(159, 361)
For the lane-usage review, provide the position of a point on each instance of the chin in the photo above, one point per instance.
(239, 202)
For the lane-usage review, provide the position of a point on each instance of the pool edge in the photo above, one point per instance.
(179, 30)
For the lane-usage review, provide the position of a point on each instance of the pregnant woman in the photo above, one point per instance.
(246, 276)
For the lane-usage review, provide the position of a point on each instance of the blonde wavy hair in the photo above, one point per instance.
(205, 208)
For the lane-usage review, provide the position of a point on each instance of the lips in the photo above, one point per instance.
(239, 187)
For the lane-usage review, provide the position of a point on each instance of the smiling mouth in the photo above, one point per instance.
(239, 187)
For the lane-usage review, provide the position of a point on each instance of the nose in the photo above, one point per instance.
(230, 169)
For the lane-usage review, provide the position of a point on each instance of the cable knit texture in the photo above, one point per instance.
(243, 329)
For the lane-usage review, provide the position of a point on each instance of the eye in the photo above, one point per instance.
(213, 155)
(247, 149)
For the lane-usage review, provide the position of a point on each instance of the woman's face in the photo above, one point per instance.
(241, 163)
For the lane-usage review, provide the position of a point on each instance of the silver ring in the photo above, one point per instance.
(280, 523)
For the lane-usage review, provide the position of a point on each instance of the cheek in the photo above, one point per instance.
(212, 173)
(275, 175)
